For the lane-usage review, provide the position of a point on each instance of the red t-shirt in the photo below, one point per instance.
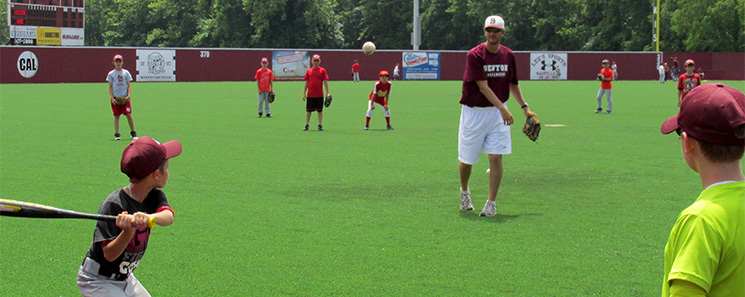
(687, 83)
(607, 73)
(380, 87)
(315, 78)
(265, 78)
(356, 67)
(498, 70)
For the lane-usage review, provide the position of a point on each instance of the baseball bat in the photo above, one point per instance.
(13, 208)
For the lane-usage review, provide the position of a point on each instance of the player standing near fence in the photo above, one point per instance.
(116, 250)
(688, 80)
(119, 94)
(606, 87)
(490, 76)
(705, 252)
(264, 80)
(356, 71)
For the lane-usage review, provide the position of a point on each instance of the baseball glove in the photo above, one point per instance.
(121, 100)
(532, 127)
(600, 76)
(327, 103)
(271, 97)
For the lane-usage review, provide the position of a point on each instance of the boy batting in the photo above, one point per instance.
(117, 247)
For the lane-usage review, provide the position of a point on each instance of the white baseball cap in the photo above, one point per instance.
(494, 21)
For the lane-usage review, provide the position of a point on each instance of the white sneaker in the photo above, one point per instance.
(490, 209)
(465, 200)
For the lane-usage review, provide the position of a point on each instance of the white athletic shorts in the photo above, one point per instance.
(482, 130)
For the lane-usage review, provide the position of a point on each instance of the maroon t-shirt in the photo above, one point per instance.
(498, 70)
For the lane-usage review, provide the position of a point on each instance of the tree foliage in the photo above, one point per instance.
(566, 25)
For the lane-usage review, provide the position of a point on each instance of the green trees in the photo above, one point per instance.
(567, 25)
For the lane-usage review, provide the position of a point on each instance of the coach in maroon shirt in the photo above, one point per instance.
(485, 121)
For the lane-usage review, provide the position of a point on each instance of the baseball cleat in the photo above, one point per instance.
(390, 127)
(465, 200)
(599, 110)
(607, 112)
(268, 115)
(305, 128)
(133, 134)
(367, 127)
(490, 209)
(260, 114)
(117, 136)
(320, 128)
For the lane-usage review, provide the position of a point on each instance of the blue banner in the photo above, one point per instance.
(421, 66)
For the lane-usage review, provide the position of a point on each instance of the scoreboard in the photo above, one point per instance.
(46, 22)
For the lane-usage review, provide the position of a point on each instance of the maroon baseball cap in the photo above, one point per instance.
(689, 61)
(711, 113)
(118, 57)
(145, 155)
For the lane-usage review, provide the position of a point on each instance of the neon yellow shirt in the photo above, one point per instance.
(707, 244)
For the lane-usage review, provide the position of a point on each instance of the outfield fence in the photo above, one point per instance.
(41, 64)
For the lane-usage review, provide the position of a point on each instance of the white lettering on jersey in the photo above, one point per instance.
(498, 70)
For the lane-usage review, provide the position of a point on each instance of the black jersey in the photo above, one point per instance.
(118, 202)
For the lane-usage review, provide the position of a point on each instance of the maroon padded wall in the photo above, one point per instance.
(91, 64)
(719, 66)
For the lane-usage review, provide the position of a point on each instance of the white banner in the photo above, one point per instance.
(156, 65)
(23, 32)
(290, 65)
(72, 36)
(548, 66)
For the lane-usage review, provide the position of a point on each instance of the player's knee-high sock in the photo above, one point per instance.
(367, 121)
(368, 116)
(388, 116)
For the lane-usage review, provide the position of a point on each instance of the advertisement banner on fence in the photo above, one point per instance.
(290, 65)
(421, 66)
(548, 66)
(156, 65)
(73, 36)
(23, 32)
(48, 36)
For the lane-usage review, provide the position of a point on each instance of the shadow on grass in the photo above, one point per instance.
(473, 215)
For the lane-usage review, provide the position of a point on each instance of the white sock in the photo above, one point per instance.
(465, 192)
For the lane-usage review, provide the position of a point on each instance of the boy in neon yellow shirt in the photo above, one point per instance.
(705, 254)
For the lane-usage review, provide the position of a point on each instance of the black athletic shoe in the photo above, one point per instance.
(390, 127)
(260, 114)
(599, 110)
(305, 128)
(367, 127)
(320, 128)
(268, 115)
(117, 136)
(133, 134)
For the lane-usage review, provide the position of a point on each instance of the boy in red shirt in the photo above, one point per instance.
(264, 77)
(356, 71)
(380, 95)
(606, 78)
(688, 80)
(315, 79)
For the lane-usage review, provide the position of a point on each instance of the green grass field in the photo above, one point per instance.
(265, 209)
